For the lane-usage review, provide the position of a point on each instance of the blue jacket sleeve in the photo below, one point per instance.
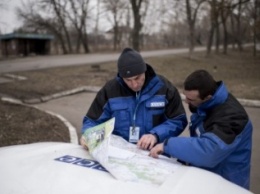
(87, 123)
(98, 112)
(204, 151)
(170, 128)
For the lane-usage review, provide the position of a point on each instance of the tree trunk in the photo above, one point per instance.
(255, 26)
(224, 14)
(62, 22)
(233, 30)
(80, 26)
(210, 39)
(238, 39)
(217, 35)
(136, 5)
(212, 26)
(191, 23)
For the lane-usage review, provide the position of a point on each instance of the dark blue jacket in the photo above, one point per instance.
(221, 139)
(157, 109)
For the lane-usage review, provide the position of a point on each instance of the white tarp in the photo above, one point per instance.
(53, 168)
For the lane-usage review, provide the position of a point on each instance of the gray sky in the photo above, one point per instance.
(8, 19)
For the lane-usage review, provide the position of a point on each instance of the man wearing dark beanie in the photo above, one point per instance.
(146, 106)
(130, 63)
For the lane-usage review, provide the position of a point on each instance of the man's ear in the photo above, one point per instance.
(208, 97)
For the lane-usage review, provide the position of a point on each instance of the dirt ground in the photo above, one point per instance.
(22, 124)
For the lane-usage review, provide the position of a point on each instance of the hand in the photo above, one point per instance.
(83, 142)
(156, 151)
(147, 142)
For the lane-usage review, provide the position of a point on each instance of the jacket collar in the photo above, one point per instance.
(219, 97)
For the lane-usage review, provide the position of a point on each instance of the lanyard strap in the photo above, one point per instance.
(136, 107)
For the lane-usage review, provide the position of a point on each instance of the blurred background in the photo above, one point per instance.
(87, 26)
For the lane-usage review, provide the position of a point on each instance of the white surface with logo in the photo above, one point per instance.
(53, 168)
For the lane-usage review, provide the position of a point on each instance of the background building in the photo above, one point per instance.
(16, 44)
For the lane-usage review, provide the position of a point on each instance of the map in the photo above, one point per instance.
(124, 160)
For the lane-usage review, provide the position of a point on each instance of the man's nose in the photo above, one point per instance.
(134, 84)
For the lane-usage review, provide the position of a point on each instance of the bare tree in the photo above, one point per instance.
(136, 9)
(215, 13)
(217, 27)
(225, 9)
(173, 28)
(237, 26)
(58, 7)
(70, 21)
(66, 19)
(253, 14)
(117, 8)
(238, 32)
(96, 30)
(213, 23)
(78, 18)
(191, 18)
(225, 12)
(256, 16)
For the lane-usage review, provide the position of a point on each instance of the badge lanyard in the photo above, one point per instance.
(134, 130)
(136, 107)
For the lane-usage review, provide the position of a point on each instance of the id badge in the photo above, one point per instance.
(134, 134)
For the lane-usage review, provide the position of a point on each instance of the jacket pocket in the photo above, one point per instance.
(121, 112)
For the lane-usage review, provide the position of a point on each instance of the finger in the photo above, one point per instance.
(82, 141)
(143, 146)
(151, 145)
(141, 141)
(146, 146)
(153, 154)
(86, 147)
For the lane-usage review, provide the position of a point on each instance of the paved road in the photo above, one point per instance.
(41, 62)
(74, 107)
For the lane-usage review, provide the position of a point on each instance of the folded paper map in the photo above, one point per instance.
(124, 160)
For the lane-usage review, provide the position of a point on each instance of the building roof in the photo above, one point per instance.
(26, 36)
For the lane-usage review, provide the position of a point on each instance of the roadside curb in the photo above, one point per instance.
(62, 94)
(95, 89)
(72, 130)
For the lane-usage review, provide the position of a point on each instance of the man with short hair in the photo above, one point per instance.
(220, 129)
(146, 106)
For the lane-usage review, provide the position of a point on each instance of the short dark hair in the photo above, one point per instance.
(202, 81)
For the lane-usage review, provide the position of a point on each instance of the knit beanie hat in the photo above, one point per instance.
(130, 63)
